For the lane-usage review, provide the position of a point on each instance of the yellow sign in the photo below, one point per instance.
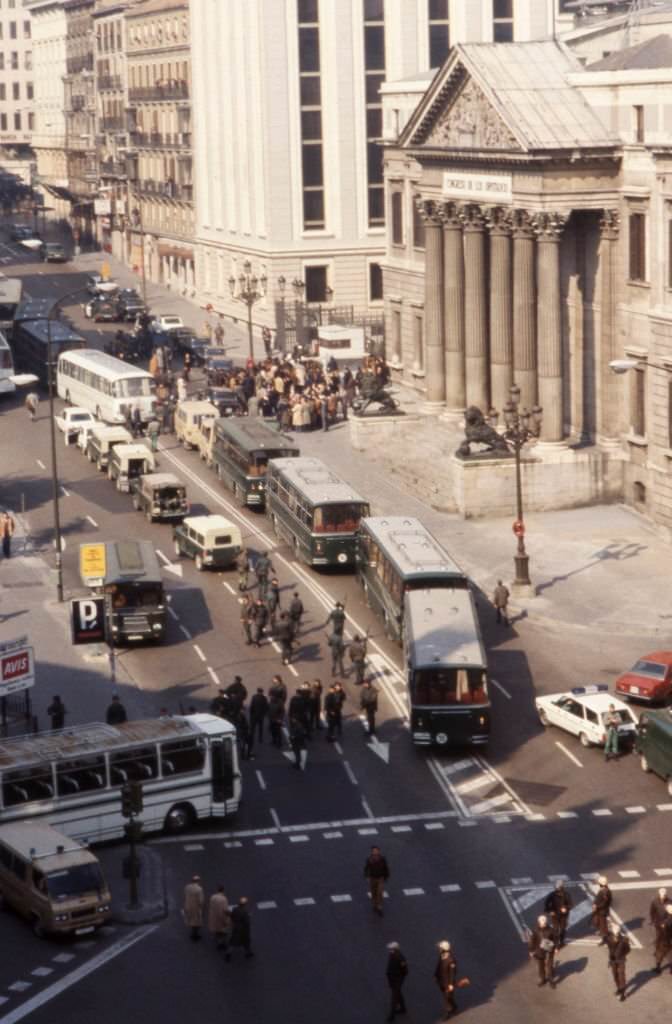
(92, 561)
(105, 271)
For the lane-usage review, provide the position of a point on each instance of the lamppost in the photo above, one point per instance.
(280, 319)
(520, 426)
(248, 288)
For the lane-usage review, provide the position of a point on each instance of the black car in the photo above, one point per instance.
(226, 401)
(129, 304)
(186, 341)
(126, 346)
(53, 252)
(21, 232)
(101, 309)
(218, 371)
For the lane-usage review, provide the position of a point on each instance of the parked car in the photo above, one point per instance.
(21, 232)
(100, 309)
(124, 345)
(218, 371)
(129, 304)
(96, 284)
(187, 341)
(212, 541)
(649, 679)
(583, 710)
(161, 496)
(167, 321)
(226, 401)
(102, 438)
(53, 252)
(128, 462)
(72, 420)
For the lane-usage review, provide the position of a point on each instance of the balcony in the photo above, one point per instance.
(112, 124)
(169, 91)
(75, 65)
(166, 189)
(109, 82)
(157, 140)
(112, 168)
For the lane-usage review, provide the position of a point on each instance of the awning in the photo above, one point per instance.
(60, 192)
(179, 252)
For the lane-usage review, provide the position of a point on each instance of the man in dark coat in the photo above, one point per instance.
(278, 689)
(241, 933)
(296, 611)
(446, 977)
(237, 690)
(377, 872)
(247, 617)
(273, 599)
(337, 619)
(284, 634)
(297, 740)
(396, 972)
(664, 939)
(276, 718)
(557, 906)
(315, 704)
(260, 620)
(56, 712)
(335, 641)
(601, 908)
(619, 947)
(262, 568)
(368, 701)
(258, 712)
(357, 652)
(116, 712)
(541, 947)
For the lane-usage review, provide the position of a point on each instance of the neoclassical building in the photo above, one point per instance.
(529, 240)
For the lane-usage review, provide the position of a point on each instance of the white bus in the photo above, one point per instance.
(107, 386)
(72, 778)
(7, 386)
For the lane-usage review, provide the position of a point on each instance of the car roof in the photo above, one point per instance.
(594, 701)
(161, 480)
(131, 449)
(79, 408)
(661, 657)
(214, 522)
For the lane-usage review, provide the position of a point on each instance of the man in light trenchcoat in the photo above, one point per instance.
(192, 907)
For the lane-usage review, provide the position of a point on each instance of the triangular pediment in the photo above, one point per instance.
(470, 122)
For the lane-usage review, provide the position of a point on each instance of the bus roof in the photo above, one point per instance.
(410, 547)
(315, 480)
(33, 309)
(131, 560)
(105, 365)
(60, 332)
(10, 289)
(252, 433)
(442, 629)
(79, 740)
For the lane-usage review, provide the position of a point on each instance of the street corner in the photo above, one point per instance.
(152, 892)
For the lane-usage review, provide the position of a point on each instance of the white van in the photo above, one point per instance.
(52, 880)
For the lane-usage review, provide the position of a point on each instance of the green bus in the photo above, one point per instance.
(241, 449)
(314, 510)
(396, 554)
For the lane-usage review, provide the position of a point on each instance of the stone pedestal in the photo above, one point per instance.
(367, 431)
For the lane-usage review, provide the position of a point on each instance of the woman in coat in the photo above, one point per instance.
(192, 907)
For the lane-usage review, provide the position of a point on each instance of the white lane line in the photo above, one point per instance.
(40, 463)
(602, 812)
(525, 880)
(66, 493)
(367, 831)
(299, 839)
(635, 810)
(304, 901)
(629, 874)
(173, 614)
(276, 819)
(185, 631)
(467, 823)
(339, 748)
(194, 847)
(264, 842)
(92, 521)
(341, 898)
(75, 976)
(332, 835)
(476, 783)
(535, 817)
(293, 671)
(267, 905)
(489, 884)
(367, 809)
(433, 825)
(414, 892)
(42, 972)
(401, 828)
(501, 819)
(349, 772)
(63, 958)
(232, 846)
(199, 652)
(501, 689)
(519, 805)
(19, 986)
(551, 878)
(213, 675)
(488, 805)
(513, 915)
(276, 646)
(568, 753)
(567, 814)
(229, 588)
(260, 779)
(452, 887)
(662, 871)
(664, 807)
(590, 876)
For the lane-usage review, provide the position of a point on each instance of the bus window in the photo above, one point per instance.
(133, 765)
(15, 788)
(137, 595)
(437, 687)
(81, 776)
(181, 756)
(337, 518)
(133, 387)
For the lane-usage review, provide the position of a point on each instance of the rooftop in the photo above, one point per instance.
(651, 54)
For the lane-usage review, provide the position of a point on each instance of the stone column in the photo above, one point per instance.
(453, 291)
(607, 416)
(549, 228)
(501, 320)
(476, 308)
(435, 369)
(524, 309)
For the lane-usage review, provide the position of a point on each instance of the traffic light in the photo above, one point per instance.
(131, 799)
(136, 797)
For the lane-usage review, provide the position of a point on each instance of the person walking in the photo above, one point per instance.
(500, 599)
(332, 711)
(247, 617)
(237, 690)
(258, 713)
(337, 619)
(243, 567)
(557, 906)
(276, 719)
(296, 611)
(315, 705)
(377, 872)
(278, 689)
(619, 948)
(357, 653)
(284, 634)
(116, 712)
(57, 712)
(192, 907)
(7, 528)
(395, 972)
(266, 338)
(335, 642)
(244, 735)
(601, 907)
(541, 948)
(611, 724)
(241, 930)
(273, 600)
(368, 701)
(297, 741)
(219, 331)
(153, 428)
(262, 568)
(445, 976)
(664, 940)
(219, 918)
(260, 620)
(32, 402)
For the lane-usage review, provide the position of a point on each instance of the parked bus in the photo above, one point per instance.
(72, 778)
(396, 554)
(11, 290)
(7, 386)
(446, 668)
(133, 591)
(105, 385)
(314, 510)
(30, 345)
(240, 453)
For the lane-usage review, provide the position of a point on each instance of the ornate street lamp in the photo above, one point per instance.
(248, 288)
(520, 427)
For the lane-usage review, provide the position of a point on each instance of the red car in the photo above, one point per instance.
(649, 679)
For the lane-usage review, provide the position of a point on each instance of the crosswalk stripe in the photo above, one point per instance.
(476, 783)
(488, 805)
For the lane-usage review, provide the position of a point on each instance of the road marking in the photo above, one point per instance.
(232, 846)
(293, 670)
(185, 631)
(92, 521)
(528, 899)
(75, 976)
(457, 766)
(664, 807)
(589, 876)
(199, 652)
(63, 958)
(432, 825)
(486, 885)
(401, 828)
(229, 588)
(276, 819)
(349, 772)
(367, 831)
(414, 892)
(551, 878)
(339, 748)
(66, 493)
(501, 819)
(173, 614)
(567, 814)
(568, 753)
(299, 839)
(19, 986)
(213, 675)
(476, 783)
(629, 874)
(267, 905)
(42, 972)
(467, 823)
(304, 901)
(635, 810)
(367, 808)
(332, 835)
(264, 842)
(194, 847)
(526, 880)
(260, 779)
(451, 887)
(535, 817)
(341, 898)
(40, 463)
(500, 688)
(489, 805)
(602, 812)
(662, 871)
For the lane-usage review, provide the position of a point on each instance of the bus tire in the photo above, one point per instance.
(179, 818)
(543, 718)
(38, 927)
(198, 562)
(644, 764)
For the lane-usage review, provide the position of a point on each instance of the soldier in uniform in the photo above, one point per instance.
(335, 641)
(262, 568)
(332, 711)
(337, 619)
(664, 939)
(243, 567)
(396, 972)
(368, 701)
(541, 947)
(296, 611)
(260, 620)
(340, 700)
(315, 704)
(273, 599)
(357, 652)
(601, 908)
(284, 634)
(247, 618)
(446, 977)
(557, 906)
(619, 947)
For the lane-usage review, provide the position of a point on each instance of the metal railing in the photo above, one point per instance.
(169, 91)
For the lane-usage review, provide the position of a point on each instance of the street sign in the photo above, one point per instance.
(17, 666)
(88, 620)
(92, 564)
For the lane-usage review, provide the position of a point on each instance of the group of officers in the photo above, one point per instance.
(549, 934)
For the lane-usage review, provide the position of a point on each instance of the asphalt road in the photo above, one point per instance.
(474, 840)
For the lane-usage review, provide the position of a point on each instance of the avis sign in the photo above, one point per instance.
(88, 620)
(17, 666)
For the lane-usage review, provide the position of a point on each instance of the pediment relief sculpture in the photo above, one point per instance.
(470, 122)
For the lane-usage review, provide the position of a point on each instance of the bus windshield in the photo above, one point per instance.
(338, 518)
(133, 387)
(437, 687)
(136, 595)
(75, 881)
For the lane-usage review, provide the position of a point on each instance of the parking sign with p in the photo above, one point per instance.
(88, 620)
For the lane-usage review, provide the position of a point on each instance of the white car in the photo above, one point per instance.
(167, 322)
(72, 421)
(583, 711)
